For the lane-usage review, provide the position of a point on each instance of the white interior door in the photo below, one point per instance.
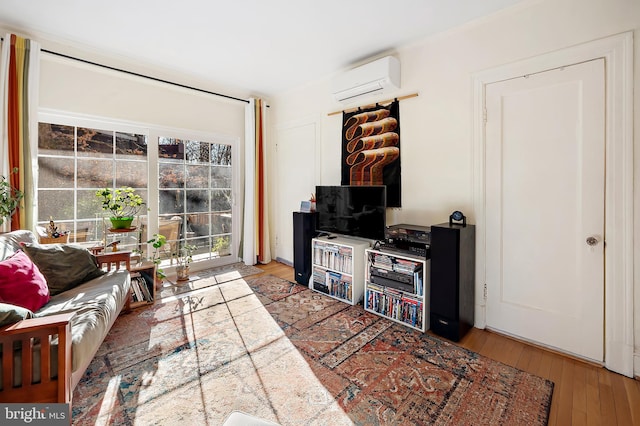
(545, 157)
(296, 154)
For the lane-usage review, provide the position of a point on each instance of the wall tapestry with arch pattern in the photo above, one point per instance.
(371, 149)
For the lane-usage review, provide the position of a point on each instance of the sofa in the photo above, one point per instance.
(57, 305)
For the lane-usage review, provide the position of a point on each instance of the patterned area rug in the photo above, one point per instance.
(278, 351)
(206, 278)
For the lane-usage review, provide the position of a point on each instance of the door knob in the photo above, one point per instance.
(592, 241)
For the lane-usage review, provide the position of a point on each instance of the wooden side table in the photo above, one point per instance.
(143, 276)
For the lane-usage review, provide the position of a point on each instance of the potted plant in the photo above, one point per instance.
(122, 203)
(158, 241)
(10, 198)
(184, 258)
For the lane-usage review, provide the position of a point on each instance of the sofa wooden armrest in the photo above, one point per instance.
(19, 343)
(114, 259)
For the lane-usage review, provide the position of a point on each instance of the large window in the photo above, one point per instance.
(190, 202)
(74, 162)
(195, 190)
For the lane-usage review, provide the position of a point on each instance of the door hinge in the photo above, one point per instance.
(484, 115)
(485, 292)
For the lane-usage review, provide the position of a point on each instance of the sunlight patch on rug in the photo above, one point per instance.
(206, 278)
(197, 358)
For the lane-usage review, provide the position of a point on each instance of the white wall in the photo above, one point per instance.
(436, 127)
(76, 87)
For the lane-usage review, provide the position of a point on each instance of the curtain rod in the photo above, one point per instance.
(144, 76)
(141, 75)
(399, 98)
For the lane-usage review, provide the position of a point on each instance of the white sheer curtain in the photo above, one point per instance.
(19, 87)
(256, 247)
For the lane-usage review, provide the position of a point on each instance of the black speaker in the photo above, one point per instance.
(452, 279)
(304, 229)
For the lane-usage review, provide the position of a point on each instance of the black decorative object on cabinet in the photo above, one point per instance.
(304, 230)
(452, 278)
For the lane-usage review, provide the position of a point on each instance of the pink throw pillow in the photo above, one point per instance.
(22, 283)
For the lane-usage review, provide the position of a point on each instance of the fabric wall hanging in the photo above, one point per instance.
(371, 149)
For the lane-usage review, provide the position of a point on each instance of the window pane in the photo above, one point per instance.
(221, 177)
(197, 201)
(130, 144)
(221, 246)
(56, 204)
(197, 176)
(86, 231)
(169, 148)
(171, 201)
(170, 176)
(95, 143)
(131, 173)
(202, 247)
(197, 152)
(89, 206)
(220, 200)
(145, 199)
(220, 154)
(220, 223)
(55, 172)
(198, 224)
(55, 139)
(94, 173)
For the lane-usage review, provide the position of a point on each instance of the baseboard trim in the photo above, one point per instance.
(286, 262)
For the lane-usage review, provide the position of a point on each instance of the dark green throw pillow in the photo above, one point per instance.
(63, 266)
(10, 314)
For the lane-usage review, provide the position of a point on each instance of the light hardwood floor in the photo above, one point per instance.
(584, 394)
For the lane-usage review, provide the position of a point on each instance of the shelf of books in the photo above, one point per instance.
(396, 287)
(143, 287)
(337, 268)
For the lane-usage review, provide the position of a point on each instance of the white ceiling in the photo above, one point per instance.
(261, 46)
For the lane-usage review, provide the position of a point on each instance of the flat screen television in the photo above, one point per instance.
(358, 211)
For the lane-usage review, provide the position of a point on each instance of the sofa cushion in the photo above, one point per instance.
(11, 242)
(64, 266)
(10, 314)
(21, 283)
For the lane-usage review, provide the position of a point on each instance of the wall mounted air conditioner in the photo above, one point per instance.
(377, 77)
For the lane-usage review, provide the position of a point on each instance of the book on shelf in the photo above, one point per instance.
(396, 305)
(332, 280)
(137, 291)
(147, 286)
(333, 256)
(139, 287)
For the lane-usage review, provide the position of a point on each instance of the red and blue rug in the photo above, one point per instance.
(278, 351)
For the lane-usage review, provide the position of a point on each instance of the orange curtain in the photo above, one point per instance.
(263, 250)
(255, 238)
(19, 75)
